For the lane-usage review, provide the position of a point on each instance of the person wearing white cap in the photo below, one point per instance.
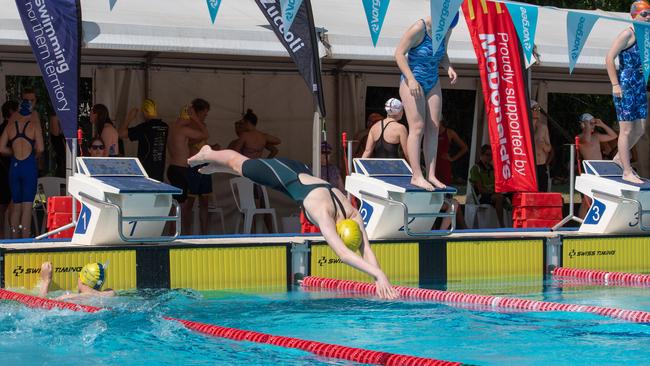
(385, 137)
(589, 141)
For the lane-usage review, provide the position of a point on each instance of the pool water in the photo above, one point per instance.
(134, 333)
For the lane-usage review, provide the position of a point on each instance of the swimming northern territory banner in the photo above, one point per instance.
(300, 41)
(53, 28)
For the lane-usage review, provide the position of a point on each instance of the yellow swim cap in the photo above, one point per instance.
(185, 115)
(149, 108)
(350, 233)
(92, 275)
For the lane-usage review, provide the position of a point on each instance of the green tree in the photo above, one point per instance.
(609, 5)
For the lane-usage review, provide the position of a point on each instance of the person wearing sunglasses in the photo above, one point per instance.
(97, 148)
(629, 90)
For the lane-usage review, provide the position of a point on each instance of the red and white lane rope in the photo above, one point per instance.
(603, 276)
(484, 300)
(321, 349)
(39, 302)
(359, 355)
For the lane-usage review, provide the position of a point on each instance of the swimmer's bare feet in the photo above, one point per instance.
(422, 183)
(201, 157)
(436, 183)
(46, 279)
(632, 177)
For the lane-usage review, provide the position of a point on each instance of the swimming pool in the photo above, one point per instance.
(134, 333)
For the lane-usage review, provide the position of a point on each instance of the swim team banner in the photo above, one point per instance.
(53, 28)
(375, 14)
(524, 18)
(442, 14)
(578, 28)
(111, 3)
(213, 8)
(300, 42)
(502, 77)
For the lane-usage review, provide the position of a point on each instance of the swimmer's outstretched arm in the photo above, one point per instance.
(384, 289)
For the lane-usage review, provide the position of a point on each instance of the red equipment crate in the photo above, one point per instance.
(57, 219)
(61, 204)
(536, 210)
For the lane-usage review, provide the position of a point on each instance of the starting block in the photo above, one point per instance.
(617, 205)
(393, 208)
(120, 203)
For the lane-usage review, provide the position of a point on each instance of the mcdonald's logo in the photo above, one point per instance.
(484, 7)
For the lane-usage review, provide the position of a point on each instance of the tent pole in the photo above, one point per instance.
(316, 136)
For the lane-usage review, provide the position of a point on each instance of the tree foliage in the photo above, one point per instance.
(608, 5)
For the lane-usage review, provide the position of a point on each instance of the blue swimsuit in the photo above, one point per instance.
(633, 104)
(424, 63)
(23, 174)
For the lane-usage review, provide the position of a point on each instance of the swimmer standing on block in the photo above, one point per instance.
(324, 206)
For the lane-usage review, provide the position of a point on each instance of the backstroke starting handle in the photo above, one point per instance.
(572, 182)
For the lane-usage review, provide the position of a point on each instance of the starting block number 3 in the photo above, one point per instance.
(595, 213)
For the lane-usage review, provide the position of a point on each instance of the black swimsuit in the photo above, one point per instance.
(383, 149)
(282, 175)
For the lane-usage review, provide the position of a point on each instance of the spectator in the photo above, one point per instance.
(447, 137)
(22, 141)
(543, 148)
(180, 133)
(105, 129)
(29, 94)
(481, 176)
(151, 136)
(589, 146)
(97, 148)
(8, 109)
(57, 139)
(199, 185)
(252, 142)
(361, 137)
(329, 172)
(385, 138)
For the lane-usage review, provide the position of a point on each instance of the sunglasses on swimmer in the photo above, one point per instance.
(97, 147)
(644, 13)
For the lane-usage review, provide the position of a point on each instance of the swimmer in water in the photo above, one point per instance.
(89, 284)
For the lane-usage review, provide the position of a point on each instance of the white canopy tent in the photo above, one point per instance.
(169, 50)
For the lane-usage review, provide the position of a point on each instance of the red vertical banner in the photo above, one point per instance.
(504, 91)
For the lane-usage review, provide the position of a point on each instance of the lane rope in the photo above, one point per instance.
(608, 278)
(318, 348)
(637, 316)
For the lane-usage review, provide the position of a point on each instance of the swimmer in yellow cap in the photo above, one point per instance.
(89, 283)
(325, 206)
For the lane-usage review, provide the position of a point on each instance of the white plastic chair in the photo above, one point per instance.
(242, 190)
(479, 215)
(212, 209)
(50, 187)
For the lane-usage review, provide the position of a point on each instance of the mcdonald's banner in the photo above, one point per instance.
(504, 92)
(578, 28)
(53, 28)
